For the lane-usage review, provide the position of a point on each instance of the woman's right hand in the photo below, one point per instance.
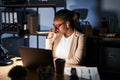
(51, 34)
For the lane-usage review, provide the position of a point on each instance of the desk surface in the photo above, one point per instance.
(32, 75)
(5, 69)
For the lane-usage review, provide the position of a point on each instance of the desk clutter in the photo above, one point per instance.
(83, 73)
(88, 73)
(45, 73)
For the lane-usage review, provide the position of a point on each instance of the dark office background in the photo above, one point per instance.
(96, 10)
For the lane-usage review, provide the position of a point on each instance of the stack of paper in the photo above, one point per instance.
(90, 73)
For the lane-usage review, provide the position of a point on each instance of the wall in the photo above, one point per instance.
(110, 8)
(91, 5)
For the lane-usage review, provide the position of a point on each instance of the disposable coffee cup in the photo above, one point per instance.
(59, 66)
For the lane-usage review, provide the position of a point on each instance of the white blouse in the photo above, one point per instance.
(63, 47)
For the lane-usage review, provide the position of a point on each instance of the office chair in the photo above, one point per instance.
(85, 26)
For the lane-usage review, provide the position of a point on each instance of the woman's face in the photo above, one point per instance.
(60, 25)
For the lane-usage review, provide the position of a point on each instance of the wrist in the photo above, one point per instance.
(48, 37)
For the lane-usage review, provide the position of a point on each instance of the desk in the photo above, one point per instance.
(104, 52)
(5, 69)
(32, 75)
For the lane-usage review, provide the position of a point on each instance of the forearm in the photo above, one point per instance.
(74, 60)
(48, 44)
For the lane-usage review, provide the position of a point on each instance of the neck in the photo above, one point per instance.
(69, 32)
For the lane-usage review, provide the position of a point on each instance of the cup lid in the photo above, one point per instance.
(60, 60)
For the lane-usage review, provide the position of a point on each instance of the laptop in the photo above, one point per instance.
(32, 58)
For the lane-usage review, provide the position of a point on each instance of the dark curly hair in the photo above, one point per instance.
(66, 15)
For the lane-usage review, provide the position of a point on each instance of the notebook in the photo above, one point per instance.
(35, 57)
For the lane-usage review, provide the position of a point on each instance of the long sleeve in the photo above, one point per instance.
(77, 50)
(49, 42)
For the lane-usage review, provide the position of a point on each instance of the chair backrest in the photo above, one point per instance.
(83, 13)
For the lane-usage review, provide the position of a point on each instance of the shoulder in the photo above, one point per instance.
(80, 37)
(79, 34)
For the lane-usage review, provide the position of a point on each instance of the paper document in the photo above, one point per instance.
(90, 73)
(42, 32)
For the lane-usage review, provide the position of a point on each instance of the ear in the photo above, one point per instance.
(68, 24)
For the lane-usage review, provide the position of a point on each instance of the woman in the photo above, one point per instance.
(65, 41)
